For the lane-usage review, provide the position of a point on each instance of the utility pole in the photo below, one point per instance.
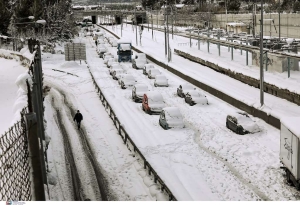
(136, 36)
(261, 55)
(279, 19)
(152, 23)
(165, 30)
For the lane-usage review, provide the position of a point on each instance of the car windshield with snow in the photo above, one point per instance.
(241, 123)
(161, 81)
(127, 80)
(153, 72)
(170, 117)
(117, 73)
(139, 61)
(147, 67)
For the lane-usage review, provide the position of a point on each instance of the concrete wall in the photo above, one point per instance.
(275, 62)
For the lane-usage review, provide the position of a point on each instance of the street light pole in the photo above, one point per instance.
(279, 20)
(261, 56)
(136, 37)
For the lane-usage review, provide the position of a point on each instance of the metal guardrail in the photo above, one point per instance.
(15, 181)
(130, 144)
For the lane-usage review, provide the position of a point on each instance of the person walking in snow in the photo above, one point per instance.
(78, 117)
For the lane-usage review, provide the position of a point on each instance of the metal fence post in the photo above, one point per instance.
(35, 156)
(208, 43)
(219, 47)
(247, 54)
(232, 51)
(241, 48)
(289, 65)
(198, 39)
(190, 38)
(266, 61)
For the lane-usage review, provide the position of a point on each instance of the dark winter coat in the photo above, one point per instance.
(78, 117)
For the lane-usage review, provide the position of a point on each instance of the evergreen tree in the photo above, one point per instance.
(5, 15)
(233, 5)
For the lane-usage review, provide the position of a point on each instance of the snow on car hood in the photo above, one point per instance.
(140, 64)
(128, 82)
(156, 106)
(176, 123)
(140, 93)
(248, 124)
(200, 100)
(161, 82)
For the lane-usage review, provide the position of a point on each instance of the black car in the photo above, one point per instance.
(241, 123)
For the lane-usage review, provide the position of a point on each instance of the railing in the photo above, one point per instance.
(130, 144)
(15, 181)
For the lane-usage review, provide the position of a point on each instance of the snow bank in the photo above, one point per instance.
(70, 64)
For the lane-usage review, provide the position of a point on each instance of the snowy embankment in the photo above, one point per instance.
(220, 164)
(13, 88)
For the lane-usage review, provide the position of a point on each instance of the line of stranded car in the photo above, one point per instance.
(170, 117)
(152, 101)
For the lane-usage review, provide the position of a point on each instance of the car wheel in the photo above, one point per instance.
(149, 112)
(143, 108)
(227, 125)
(191, 103)
(239, 130)
(155, 85)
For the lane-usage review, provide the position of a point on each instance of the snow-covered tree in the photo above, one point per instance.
(5, 15)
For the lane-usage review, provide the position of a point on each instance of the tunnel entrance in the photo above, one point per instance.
(118, 19)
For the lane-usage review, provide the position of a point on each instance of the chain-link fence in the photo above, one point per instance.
(15, 181)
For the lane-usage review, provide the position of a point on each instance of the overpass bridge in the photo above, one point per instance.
(113, 16)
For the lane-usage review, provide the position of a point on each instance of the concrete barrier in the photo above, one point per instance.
(268, 88)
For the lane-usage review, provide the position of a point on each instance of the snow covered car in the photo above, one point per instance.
(114, 43)
(106, 58)
(183, 89)
(147, 67)
(111, 61)
(117, 73)
(161, 81)
(139, 61)
(127, 81)
(194, 97)
(107, 54)
(113, 67)
(170, 117)
(152, 73)
(241, 123)
(101, 50)
(152, 102)
(138, 92)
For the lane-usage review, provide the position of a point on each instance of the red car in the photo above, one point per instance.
(153, 102)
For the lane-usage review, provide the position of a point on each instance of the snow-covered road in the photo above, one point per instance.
(204, 161)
